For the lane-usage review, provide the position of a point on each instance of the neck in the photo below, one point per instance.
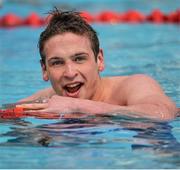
(100, 91)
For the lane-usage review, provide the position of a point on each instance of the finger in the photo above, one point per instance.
(42, 114)
(33, 106)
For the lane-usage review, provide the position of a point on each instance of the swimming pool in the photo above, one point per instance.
(92, 142)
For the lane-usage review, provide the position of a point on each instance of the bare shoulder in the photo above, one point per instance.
(142, 80)
(141, 85)
(134, 85)
(141, 77)
(141, 93)
(142, 88)
(132, 81)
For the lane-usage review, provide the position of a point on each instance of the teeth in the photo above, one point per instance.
(73, 85)
(73, 88)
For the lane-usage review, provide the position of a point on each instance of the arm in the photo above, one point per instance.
(144, 98)
(144, 95)
(61, 105)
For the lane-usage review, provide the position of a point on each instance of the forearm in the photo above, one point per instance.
(158, 112)
(59, 104)
(155, 111)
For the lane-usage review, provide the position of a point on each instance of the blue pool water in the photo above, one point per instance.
(91, 142)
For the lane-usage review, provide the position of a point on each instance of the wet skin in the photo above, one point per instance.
(71, 67)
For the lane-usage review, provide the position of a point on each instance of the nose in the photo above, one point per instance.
(70, 71)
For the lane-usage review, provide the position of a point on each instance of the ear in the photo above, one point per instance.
(44, 71)
(100, 60)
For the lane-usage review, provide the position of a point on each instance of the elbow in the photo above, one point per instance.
(167, 116)
(178, 112)
(167, 113)
(161, 111)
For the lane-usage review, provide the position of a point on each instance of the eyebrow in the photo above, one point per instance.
(54, 58)
(74, 55)
(80, 53)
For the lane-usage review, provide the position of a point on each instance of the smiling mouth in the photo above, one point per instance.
(73, 88)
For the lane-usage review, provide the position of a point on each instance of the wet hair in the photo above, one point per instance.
(68, 21)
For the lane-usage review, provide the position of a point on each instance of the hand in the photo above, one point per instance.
(55, 104)
(55, 107)
(33, 104)
(59, 104)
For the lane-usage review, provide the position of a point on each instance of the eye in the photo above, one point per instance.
(79, 59)
(56, 62)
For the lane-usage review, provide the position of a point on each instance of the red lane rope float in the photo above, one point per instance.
(20, 112)
(109, 17)
(34, 20)
(130, 16)
(134, 17)
(11, 20)
(17, 112)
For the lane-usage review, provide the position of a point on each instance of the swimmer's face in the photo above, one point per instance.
(71, 67)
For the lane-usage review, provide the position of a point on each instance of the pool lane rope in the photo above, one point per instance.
(20, 112)
(110, 17)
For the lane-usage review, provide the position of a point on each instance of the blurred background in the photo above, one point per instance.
(24, 7)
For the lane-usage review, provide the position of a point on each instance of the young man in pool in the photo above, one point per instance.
(72, 60)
